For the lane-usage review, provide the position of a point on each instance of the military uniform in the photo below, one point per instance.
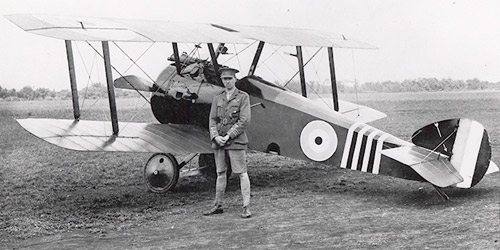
(230, 117)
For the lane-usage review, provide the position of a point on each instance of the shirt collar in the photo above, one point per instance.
(233, 94)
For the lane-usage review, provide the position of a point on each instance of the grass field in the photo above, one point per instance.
(55, 198)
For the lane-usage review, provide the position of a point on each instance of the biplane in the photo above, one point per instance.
(454, 152)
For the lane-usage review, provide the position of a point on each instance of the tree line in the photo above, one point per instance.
(414, 85)
(98, 90)
(94, 91)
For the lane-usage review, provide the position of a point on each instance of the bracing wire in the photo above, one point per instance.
(239, 52)
(309, 85)
(415, 135)
(117, 71)
(89, 74)
(238, 58)
(190, 55)
(134, 62)
(294, 75)
(264, 61)
(270, 70)
(316, 70)
(355, 79)
(89, 80)
(318, 79)
(441, 143)
(314, 55)
(121, 75)
(286, 61)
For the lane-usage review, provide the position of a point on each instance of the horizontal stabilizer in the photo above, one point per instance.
(432, 166)
(133, 137)
(133, 82)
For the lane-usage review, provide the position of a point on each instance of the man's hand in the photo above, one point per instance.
(220, 140)
(225, 139)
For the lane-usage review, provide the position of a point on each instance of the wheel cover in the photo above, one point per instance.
(161, 172)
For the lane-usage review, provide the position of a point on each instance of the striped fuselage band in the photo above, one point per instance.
(363, 148)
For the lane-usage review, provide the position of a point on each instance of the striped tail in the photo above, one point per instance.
(465, 141)
(364, 147)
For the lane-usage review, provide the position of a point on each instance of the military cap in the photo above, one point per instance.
(228, 71)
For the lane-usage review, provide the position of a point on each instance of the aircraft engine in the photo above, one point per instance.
(168, 109)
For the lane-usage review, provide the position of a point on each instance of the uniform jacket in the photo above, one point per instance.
(230, 117)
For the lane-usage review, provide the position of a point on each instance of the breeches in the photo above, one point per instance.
(236, 157)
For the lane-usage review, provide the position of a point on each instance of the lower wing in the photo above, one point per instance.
(133, 137)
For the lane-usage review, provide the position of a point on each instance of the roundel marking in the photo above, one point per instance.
(318, 140)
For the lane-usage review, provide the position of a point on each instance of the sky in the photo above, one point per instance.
(425, 38)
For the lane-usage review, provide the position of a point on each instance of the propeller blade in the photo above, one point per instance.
(134, 82)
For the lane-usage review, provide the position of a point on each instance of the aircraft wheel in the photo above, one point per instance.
(161, 172)
(206, 163)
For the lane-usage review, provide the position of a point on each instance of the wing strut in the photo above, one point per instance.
(333, 79)
(72, 79)
(301, 70)
(111, 89)
(256, 58)
(220, 50)
(214, 62)
(177, 58)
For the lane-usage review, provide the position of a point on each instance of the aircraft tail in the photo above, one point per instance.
(466, 144)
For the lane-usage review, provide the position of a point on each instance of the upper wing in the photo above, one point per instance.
(133, 137)
(109, 29)
(295, 37)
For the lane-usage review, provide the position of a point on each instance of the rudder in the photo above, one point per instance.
(465, 141)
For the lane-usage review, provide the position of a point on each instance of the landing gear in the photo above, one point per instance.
(161, 172)
(206, 163)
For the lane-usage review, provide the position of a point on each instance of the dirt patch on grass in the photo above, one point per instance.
(54, 198)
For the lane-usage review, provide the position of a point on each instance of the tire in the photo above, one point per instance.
(161, 173)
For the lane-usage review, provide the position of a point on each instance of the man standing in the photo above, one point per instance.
(229, 117)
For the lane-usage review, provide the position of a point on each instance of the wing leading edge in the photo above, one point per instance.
(133, 137)
(129, 30)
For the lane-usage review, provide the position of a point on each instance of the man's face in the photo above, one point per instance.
(229, 80)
